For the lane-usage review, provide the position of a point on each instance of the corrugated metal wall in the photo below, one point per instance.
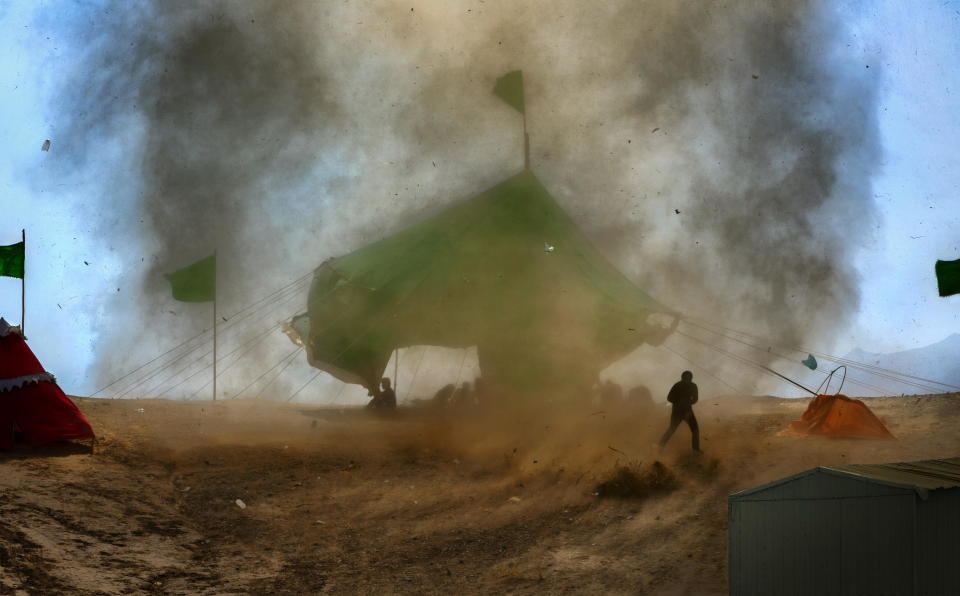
(938, 534)
(822, 534)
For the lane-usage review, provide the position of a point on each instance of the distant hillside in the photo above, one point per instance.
(939, 361)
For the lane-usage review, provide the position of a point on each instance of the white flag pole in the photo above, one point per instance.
(23, 288)
(214, 325)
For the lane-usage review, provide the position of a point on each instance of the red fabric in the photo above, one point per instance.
(16, 357)
(40, 410)
(43, 413)
(840, 416)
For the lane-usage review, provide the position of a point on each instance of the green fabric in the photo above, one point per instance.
(195, 283)
(509, 88)
(810, 362)
(480, 273)
(11, 260)
(948, 277)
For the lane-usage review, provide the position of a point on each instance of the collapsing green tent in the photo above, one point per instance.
(506, 271)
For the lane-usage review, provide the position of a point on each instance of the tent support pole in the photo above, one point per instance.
(526, 145)
(396, 365)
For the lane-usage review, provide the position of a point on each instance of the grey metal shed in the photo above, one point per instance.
(860, 529)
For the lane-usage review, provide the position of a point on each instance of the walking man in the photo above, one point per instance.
(683, 395)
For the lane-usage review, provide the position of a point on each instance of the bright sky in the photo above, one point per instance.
(917, 45)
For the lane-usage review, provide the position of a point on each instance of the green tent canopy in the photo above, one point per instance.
(506, 271)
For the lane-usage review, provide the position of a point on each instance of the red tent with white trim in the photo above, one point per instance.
(30, 399)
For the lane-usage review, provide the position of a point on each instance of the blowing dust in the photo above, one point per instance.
(718, 155)
(517, 500)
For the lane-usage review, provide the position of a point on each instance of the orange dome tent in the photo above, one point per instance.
(839, 416)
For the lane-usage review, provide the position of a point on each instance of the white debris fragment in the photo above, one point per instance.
(514, 499)
(547, 247)
(240, 504)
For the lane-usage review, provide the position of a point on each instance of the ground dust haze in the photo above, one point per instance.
(430, 502)
(720, 153)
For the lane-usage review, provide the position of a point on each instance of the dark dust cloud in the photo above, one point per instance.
(719, 152)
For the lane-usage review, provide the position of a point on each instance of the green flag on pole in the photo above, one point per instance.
(509, 88)
(948, 277)
(11, 260)
(195, 283)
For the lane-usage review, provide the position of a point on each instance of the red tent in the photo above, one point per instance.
(839, 416)
(30, 399)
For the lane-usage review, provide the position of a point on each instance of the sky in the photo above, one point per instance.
(74, 272)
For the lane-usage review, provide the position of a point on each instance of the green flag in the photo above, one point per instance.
(195, 283)
(11, 260)
(509, 88)
(948, 277)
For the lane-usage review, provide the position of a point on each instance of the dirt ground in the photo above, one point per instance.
(338, 501)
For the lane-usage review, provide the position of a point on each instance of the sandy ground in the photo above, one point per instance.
(337, 501)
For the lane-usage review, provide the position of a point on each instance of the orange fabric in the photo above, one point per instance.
(840, 416)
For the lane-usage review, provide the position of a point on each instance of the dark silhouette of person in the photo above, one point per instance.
(639, 397)
(386, 399)
(442, 396)
(611, 393)
(479, 391)
(463, 396)
(683, 395)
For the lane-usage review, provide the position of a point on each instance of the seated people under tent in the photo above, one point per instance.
(386, 399)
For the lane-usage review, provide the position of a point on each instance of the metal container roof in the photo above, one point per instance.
(925, 475)
(930, 474)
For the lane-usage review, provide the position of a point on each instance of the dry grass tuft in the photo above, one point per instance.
(629, 483)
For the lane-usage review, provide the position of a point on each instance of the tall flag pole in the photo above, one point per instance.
(12, 259)
(198, 283)
(23, 286)
(526, 143)
(214, 326)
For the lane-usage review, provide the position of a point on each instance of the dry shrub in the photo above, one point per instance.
(627, 483)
